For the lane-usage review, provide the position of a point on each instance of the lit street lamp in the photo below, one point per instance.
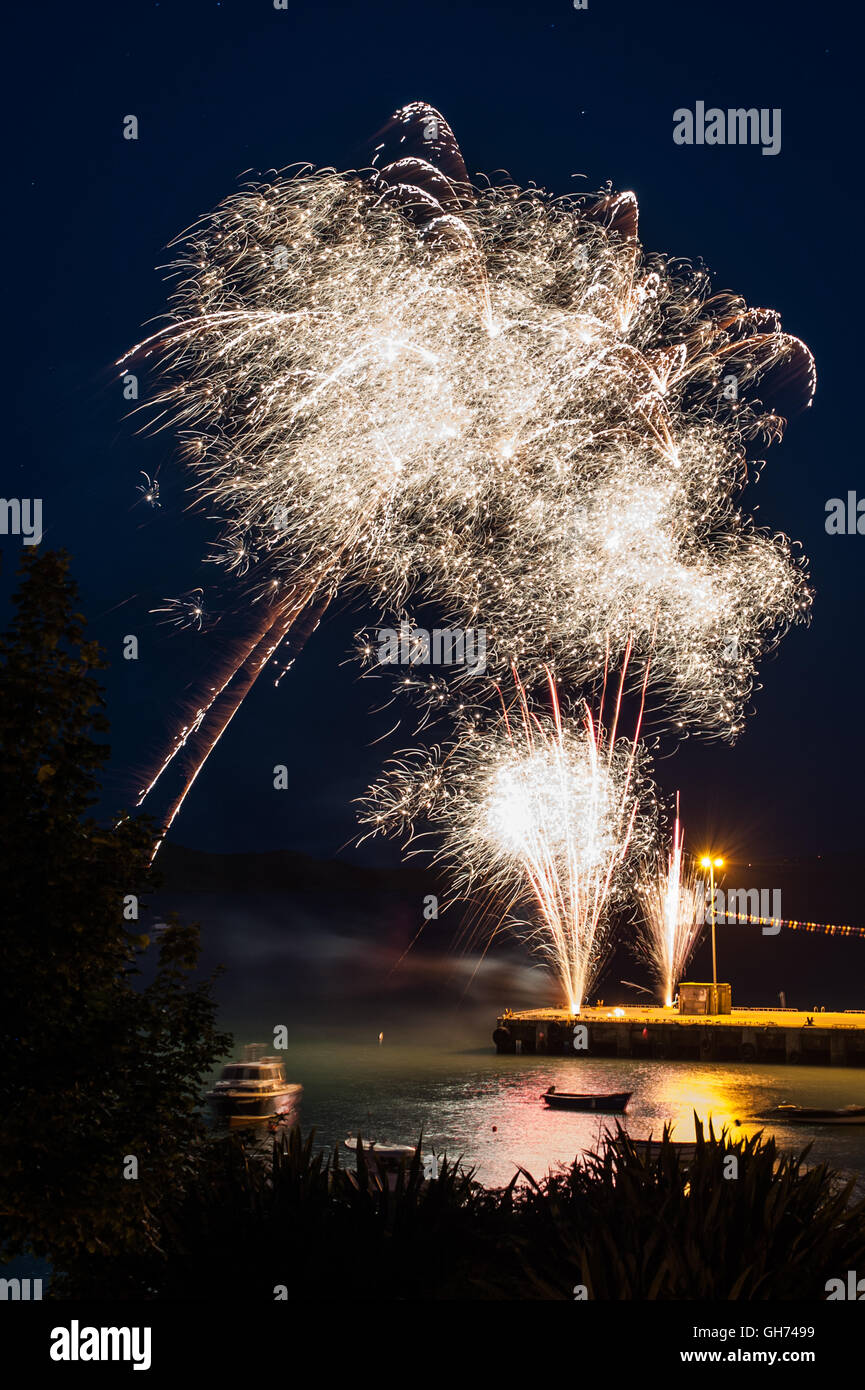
(710, 863)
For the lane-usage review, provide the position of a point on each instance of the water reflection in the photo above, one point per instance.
(489, 1108)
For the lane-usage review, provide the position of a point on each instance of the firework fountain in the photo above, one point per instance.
(673, 901)
(534, 811)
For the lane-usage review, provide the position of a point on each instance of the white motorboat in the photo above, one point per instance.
(255, 1089)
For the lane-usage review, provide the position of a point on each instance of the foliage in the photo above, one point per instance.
(623, 1225)
(742, 1220)
(95, 1067)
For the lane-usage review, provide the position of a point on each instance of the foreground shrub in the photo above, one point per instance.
(738, 1220)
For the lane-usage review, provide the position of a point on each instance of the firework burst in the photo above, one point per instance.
(186, 611)
(490, 397)
(149, 490)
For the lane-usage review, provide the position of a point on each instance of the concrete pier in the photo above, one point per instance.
(743, 1035)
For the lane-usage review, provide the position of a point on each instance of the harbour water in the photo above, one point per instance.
(473, 1104)
(335, 979)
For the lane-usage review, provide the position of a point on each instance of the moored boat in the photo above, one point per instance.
(651, 1148)
(807, 1115)
(255, 1089)
(613, 1104)
(384, 1162)
(385, 1155)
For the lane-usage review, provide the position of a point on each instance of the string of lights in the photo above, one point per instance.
(794, 924)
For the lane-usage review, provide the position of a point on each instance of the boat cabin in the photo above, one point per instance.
(266, 1070)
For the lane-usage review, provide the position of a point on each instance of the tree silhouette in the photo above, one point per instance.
(97, 1068)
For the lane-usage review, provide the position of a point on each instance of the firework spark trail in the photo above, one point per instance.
(188, 730)
(493, 398)
(227, 699)
(238, 675)
(673, 900)
(532, 809)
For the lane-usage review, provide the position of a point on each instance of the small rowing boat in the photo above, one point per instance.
(387, 1155)
(806, 1115)
(652, 1148)
(385, 1162)
(613, 1104)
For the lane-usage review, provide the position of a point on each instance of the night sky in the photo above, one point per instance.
(544, 91)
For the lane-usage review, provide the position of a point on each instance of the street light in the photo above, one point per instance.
(710, 863)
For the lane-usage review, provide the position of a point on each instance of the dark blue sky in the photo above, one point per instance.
(542, 90)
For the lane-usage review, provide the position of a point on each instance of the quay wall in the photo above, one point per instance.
(744, 1035)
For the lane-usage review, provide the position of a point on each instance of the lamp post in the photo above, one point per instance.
(712, 863)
